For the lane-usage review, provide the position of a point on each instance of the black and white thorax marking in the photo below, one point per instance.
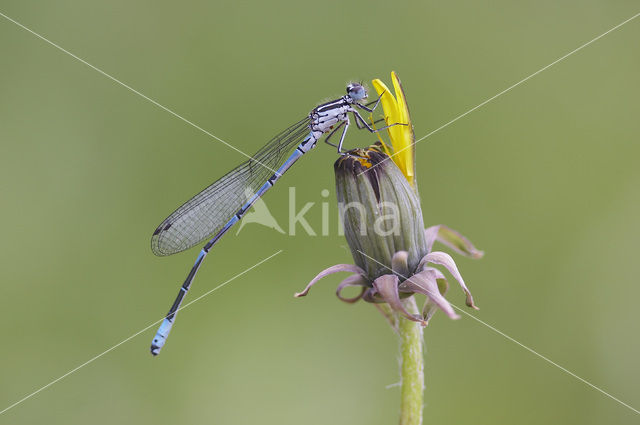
(327, 115)
(331, 116)
(326, 118)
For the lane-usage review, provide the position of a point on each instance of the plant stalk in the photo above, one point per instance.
(411, 367)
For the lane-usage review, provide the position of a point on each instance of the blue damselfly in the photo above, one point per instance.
(212, 212)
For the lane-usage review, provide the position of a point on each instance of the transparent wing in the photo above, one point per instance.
(206, 213)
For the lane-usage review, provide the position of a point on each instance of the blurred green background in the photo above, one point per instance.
(544, 179)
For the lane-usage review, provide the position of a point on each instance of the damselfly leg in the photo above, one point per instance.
(357, 117)
(360, 126)
(326, 139)
(377, 101)
(360, 123)
(344, 133)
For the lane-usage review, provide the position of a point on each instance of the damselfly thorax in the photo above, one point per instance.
(327, 115)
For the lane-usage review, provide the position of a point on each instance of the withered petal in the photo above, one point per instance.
(429, 308)
(354, 280)
(371, 296)
(444, 259)
(425, 283)
(438, 274)
(443, 284)
(430, 235)
(333, 269)
(387, 287)
(452, 239)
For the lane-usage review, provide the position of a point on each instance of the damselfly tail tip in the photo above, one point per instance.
(155, 350)
(156, 346)
(161, 336)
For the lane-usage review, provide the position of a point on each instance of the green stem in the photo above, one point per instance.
(411, 368)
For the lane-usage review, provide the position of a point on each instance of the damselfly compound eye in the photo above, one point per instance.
(356, 91)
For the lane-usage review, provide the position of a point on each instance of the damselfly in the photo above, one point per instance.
(217, 208)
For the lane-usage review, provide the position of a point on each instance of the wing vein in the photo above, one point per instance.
(207, 212)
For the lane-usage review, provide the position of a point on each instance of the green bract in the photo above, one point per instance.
(380, 212)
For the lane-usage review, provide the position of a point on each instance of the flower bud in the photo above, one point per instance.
(379, 211)
(382, 220)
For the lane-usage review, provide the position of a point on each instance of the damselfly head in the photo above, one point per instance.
(356, 92)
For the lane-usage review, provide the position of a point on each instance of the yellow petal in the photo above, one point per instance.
(405, 147)
(388, 106)
(396, 111)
